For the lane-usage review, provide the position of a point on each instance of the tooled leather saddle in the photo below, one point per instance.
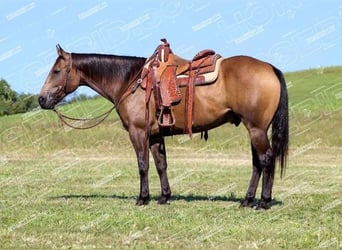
(165, 73)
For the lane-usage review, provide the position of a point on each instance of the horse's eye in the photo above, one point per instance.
(56, 71)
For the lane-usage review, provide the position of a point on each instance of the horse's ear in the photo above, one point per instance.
(59, 49)
(61, 52)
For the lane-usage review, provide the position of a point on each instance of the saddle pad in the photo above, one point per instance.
(204, 79)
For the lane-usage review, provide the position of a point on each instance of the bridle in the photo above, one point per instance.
(124, 93)
(62, 88)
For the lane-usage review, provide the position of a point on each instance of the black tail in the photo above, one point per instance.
(280, 125)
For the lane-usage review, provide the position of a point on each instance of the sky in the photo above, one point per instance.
(292, 35)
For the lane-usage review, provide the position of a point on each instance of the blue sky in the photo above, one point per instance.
(292, 35)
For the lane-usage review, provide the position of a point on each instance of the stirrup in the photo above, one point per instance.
(166, 122)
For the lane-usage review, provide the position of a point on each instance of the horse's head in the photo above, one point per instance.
(61, 81)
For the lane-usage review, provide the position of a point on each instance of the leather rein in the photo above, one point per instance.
(122, 95)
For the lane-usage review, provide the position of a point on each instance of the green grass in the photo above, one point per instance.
(64, 188)
(88, 200)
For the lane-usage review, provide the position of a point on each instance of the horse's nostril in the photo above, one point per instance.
(41, 100)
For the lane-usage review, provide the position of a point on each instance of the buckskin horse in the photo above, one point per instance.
(246, 90)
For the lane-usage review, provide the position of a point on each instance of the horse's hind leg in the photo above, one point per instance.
(253, 184)
(157, 146)
(267, 180)
(263, 160)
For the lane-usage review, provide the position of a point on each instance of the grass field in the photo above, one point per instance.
(62, 188)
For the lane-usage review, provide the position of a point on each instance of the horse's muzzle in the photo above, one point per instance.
(45, 102)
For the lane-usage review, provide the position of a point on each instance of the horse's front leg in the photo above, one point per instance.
(140, 144)
(157, 146)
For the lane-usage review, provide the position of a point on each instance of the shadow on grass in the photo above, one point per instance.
(187, 198)
(92, 196)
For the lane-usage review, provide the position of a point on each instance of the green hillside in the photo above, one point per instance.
(315, 98)
(315, 90)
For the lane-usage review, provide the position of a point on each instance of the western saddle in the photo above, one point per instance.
(165, 73)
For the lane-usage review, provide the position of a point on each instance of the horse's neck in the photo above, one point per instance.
(109, 75)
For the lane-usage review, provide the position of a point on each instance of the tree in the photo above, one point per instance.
(12, 103)
(7, 98)
(26, 102)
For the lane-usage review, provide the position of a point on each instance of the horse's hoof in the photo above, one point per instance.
(142, 201)
(248, 202)
(163, 201)
(263, 205)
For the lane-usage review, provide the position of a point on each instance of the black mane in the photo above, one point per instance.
(99, 66)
